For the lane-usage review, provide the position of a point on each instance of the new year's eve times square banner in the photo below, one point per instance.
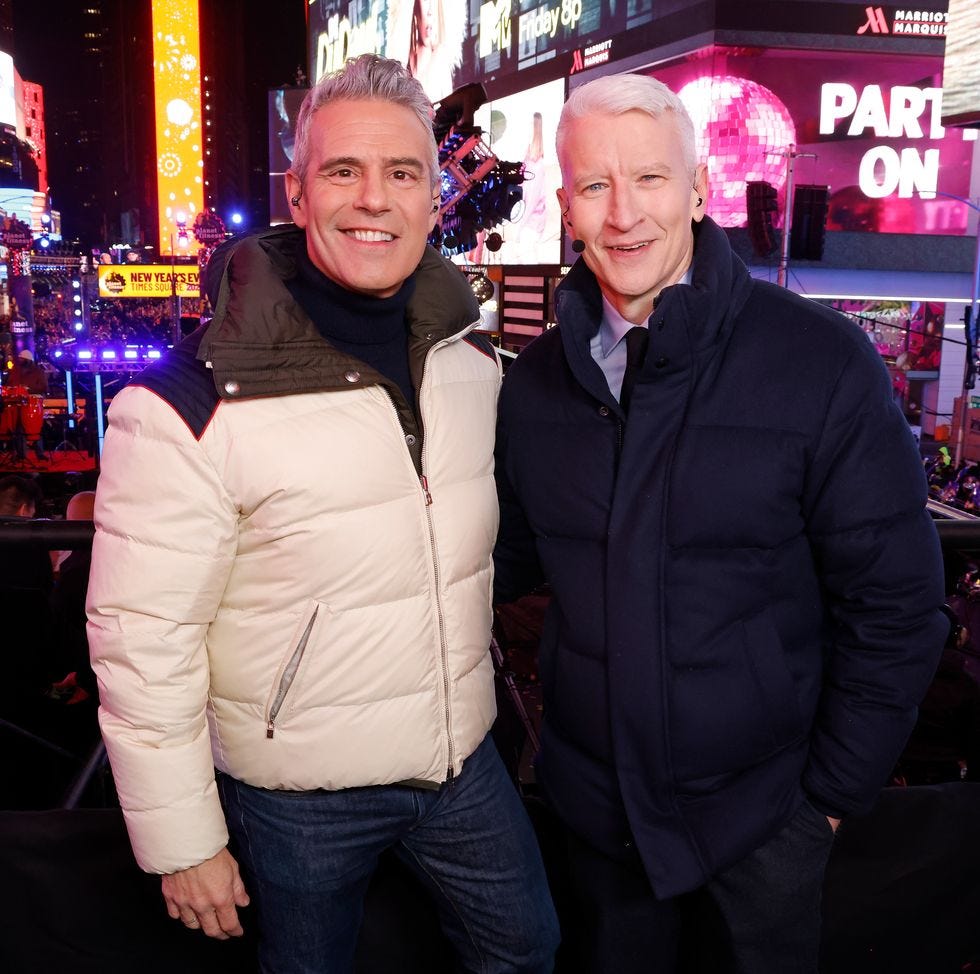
(149, 281)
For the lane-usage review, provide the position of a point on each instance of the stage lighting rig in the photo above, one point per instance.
(456, 111)
(477, 190)
(463, 162)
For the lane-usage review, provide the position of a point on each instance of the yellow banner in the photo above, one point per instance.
(148, 281)
(179, 131)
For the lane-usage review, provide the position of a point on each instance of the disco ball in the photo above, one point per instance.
(741, 131)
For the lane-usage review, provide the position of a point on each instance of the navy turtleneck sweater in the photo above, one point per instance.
(370, 329)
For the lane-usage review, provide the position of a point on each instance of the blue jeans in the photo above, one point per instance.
(308, 858)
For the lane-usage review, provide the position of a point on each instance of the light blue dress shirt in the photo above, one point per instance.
(607, 347)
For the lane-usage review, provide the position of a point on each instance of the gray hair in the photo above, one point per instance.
(616, 94)
(363, 77)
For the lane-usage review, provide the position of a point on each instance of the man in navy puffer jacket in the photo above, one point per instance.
(747, 585)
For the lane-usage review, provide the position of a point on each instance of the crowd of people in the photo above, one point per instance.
(955, 484)
(111, 320)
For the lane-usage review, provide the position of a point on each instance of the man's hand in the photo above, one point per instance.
(207, 895)
(834, 822)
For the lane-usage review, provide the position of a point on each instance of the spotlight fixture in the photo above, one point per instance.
(477, 190)
(482, 287)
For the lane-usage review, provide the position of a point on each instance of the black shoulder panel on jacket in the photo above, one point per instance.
(482, 344)
(185, 383)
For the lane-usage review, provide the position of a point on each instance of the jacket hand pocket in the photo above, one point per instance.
(733, 701)
(290, 667)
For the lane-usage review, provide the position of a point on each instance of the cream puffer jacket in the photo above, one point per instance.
(277, 592)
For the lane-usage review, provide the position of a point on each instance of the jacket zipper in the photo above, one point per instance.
(288, 675)
(443, 645)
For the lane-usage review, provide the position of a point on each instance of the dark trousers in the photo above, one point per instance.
(760, 916)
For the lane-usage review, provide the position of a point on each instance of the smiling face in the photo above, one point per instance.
(629, 196)
(367, 201)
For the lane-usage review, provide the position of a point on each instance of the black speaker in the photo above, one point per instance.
(809, 222)
(762, 207)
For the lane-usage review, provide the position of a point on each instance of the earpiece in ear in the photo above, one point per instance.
(700, 201)
(578, 245)
(294, 200)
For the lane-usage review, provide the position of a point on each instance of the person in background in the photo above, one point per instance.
(25, 585)
(291, 571)
(712, 476)
(70, 644)
(27, 374)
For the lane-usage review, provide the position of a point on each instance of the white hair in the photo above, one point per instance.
(616, 94)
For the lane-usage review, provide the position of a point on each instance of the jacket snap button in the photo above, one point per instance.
(352, 376)
(232, 388)
(603, 410)
(410, 439)
(660, 363)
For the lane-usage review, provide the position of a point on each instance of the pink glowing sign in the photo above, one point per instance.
(867, 126)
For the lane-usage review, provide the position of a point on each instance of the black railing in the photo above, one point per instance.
(957, 531)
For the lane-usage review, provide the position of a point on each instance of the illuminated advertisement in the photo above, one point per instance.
(521, 128)
(448, 43)
(23, 204)
(909, 337)
(868, 128)
(148, 281)
(177, 107)
(861, 19)
(512, 35)
(576, 35)
(907, 334)
(425, 35)
(8, 104)
(284, 105)
(961, 67)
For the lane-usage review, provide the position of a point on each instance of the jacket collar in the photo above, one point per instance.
(261, 342)
(688, 319)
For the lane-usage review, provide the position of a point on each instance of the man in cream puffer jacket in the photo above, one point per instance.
(291, 572)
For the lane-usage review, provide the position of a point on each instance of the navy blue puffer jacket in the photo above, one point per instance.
(746, 582)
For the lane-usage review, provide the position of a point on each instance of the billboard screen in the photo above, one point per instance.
(425, 35)
(961, 67)
(909, 337)
(8, 103)
(521, 128)
(867, 126)
(284, 104)
(448, 43)
(907, 334)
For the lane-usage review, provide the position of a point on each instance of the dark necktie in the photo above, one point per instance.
(636, 349)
